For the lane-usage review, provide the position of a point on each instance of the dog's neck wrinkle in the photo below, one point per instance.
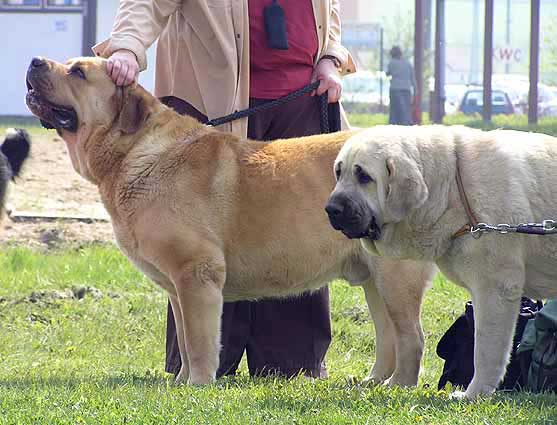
(109, 155)
(99, 153)
(436, 220)
(180, 126)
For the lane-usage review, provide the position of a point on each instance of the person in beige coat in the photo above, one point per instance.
(215, 57)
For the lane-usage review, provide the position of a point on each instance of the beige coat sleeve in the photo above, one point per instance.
(137, 25)
(334, 46)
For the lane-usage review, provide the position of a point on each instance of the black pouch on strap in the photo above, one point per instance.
(334, 117)
(275, 26)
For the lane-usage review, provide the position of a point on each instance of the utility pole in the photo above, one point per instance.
(419, 55)
(381, 67)
(488, 60)
(534, 61)
(439, 103)
(475, 50)
(508, 35)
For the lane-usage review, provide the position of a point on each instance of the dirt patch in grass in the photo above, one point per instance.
(50, 186)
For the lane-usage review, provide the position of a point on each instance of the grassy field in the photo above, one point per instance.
(82, 341)
(515, 122)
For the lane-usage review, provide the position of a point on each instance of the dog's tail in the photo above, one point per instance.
(13, 153)
(15, 148)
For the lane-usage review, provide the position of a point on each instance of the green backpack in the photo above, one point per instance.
(538, 350)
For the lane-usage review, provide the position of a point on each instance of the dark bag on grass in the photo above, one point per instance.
(538, 350)
(456, 347)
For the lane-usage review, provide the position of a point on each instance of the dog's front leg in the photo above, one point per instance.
(199, 291)
(496, 307)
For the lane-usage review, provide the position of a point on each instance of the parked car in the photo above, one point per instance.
(517, 87)
(472, 102)
(453, 97)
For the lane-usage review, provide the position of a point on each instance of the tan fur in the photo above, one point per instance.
(213, 218)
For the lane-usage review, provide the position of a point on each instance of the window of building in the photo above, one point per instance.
(64, 3)
(40, 5)
(20, 3)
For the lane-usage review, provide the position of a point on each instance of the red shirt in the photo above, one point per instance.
(275, 73)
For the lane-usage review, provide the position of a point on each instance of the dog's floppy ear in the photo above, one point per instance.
(406, 189)
(134, 110)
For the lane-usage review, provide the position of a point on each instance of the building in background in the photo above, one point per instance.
(57, 29)
(60, 29)
(464, 33)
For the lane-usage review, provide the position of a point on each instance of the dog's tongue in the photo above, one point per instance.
(51, 117)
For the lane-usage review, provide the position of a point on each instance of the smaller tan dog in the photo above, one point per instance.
(211, 217)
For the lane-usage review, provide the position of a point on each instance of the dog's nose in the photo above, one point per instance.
(38, 62)
(334, 209)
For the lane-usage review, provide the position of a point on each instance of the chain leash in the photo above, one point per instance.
(546, 227)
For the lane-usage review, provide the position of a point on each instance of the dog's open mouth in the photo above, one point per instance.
(52, 116)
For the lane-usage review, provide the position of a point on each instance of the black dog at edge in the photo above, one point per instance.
(13, 152)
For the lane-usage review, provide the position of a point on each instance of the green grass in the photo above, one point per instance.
(31, 124)
(515, 122)
(99, 359)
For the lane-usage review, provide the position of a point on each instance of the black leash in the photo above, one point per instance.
(280, 101)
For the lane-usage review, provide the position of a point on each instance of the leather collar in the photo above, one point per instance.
(472, 221)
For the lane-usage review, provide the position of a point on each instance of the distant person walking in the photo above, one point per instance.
(403, 88)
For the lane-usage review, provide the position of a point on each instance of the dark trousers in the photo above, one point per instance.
(400, 108)
(279, 336)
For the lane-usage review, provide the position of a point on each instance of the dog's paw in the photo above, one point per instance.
(458, 395)
(182, 377)
(371, 381)
(201, 380)
(468, 395)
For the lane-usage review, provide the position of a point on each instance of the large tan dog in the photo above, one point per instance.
(402, 184)
(213, 218)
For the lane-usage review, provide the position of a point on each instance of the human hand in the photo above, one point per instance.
(122, 67)
(329, 80)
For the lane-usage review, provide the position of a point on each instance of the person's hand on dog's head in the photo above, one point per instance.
(123, 68)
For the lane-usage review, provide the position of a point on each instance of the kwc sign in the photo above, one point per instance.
(507, 54)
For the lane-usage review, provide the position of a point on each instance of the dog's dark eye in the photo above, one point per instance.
(79, 72)
(337, 171)
(362, 176)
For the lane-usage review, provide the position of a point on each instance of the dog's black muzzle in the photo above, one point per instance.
(354, 219)
(52, 116)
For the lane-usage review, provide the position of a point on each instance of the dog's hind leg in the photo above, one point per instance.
(199, 291)
(403, 288)
(385, 354)
(184, 373)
